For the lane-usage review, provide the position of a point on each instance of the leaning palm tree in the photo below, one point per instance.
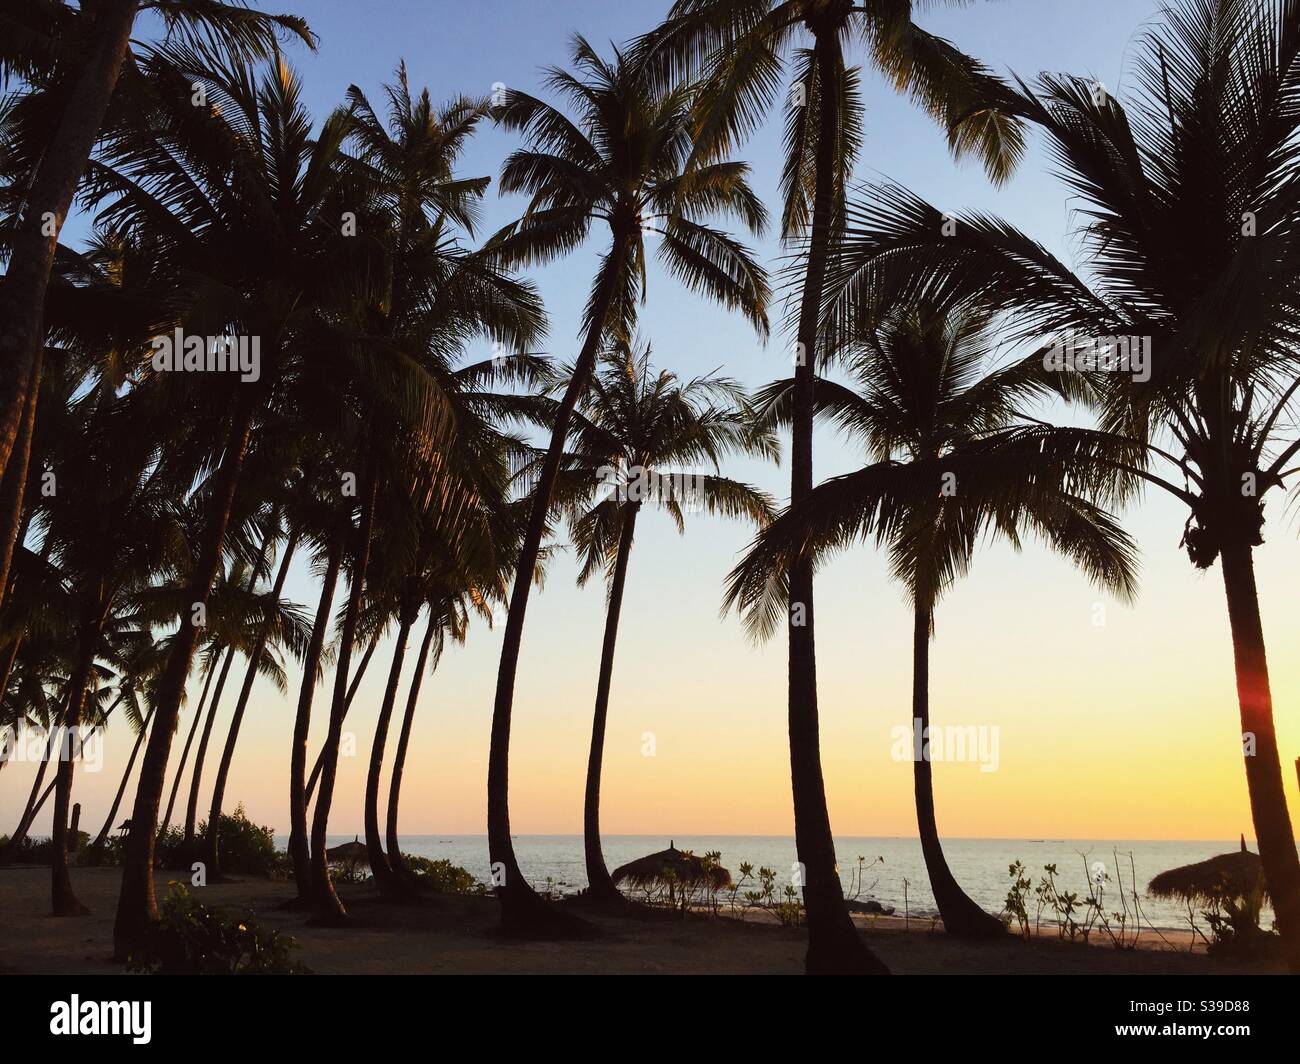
(952, 462)
(738, 50)
(638, 436)
(1186, 331)
(621, 162)
(198, 185)
(70, 60)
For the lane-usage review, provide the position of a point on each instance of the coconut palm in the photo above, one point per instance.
(69, 60)
(638, 436)
(739, 49)
(1192, 194)
(252, 251)
(620, 161)
(952, 462)
(437, 296)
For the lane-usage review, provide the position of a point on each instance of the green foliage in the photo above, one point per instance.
(191, 939)
(246, 848)
(443, 876)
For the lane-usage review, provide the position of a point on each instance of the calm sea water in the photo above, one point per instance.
(980, 865)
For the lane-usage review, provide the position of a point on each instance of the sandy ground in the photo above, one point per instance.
(457, 935)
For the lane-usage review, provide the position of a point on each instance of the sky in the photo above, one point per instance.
(1111, 720)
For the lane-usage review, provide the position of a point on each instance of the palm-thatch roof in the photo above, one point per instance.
(672, 867)
(353, 852)
(1234, 875)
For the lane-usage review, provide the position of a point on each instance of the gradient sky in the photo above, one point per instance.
(1123, 729)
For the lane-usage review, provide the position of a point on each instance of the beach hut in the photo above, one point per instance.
(682, 874)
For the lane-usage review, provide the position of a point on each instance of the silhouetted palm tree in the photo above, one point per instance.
(70, 59)
(1192, 195)
(639, 436)
(738, 50)
(953, 461)
(620, 162)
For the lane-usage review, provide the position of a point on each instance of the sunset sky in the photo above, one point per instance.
(1114, 721)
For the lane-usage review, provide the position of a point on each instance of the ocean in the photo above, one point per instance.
(892, 869)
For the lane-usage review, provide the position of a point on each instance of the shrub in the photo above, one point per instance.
(191, 939)
(443, 876)
(246, 848)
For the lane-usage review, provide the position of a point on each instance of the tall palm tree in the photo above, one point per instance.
(437, 294)
(70, 60)
(1192, 194)
(253, 249)
(620, 162)
(638, 436)
(738, 50)
(953, 461)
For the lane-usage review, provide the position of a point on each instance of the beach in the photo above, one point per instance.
(445, 934)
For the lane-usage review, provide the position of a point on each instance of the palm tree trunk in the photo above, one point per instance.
(13, 519)
(212, 838)
(1268, 808)
(834, 944)
(31, 257)
(63, 899)
(185, 753)
(399, 758)
(599, 884)
(298, 842)
(329, 908)
(961, 916)
(200, 755)
(136, 904)
(387, 880)
(522, 909)
(347, 706)
(102, 837)
(32, 807)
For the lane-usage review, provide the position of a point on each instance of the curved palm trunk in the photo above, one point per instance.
(399, 757)
(31, 258)
(522, 909)
(63, 899)
(102, 837)
(330, 909)
(33, 806)
(298, 840)
(388, 881)
(347, 707)
(599, 884)
(212, 838)
(196, 777)
(961, 916)
(14, 516)
(136, 904)
(185, 753)
(1268, 809)
(834, 944)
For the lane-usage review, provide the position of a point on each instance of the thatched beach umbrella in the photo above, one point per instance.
(352, 853)
(1227, 877)
(672, 868)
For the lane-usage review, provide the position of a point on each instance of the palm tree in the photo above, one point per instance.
(634, 431)
(1192, 195)
(952, 461)
(281, 626)
(738, 49)
(436, 296)
(70, 60)
(249, 254)
(620, 162)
